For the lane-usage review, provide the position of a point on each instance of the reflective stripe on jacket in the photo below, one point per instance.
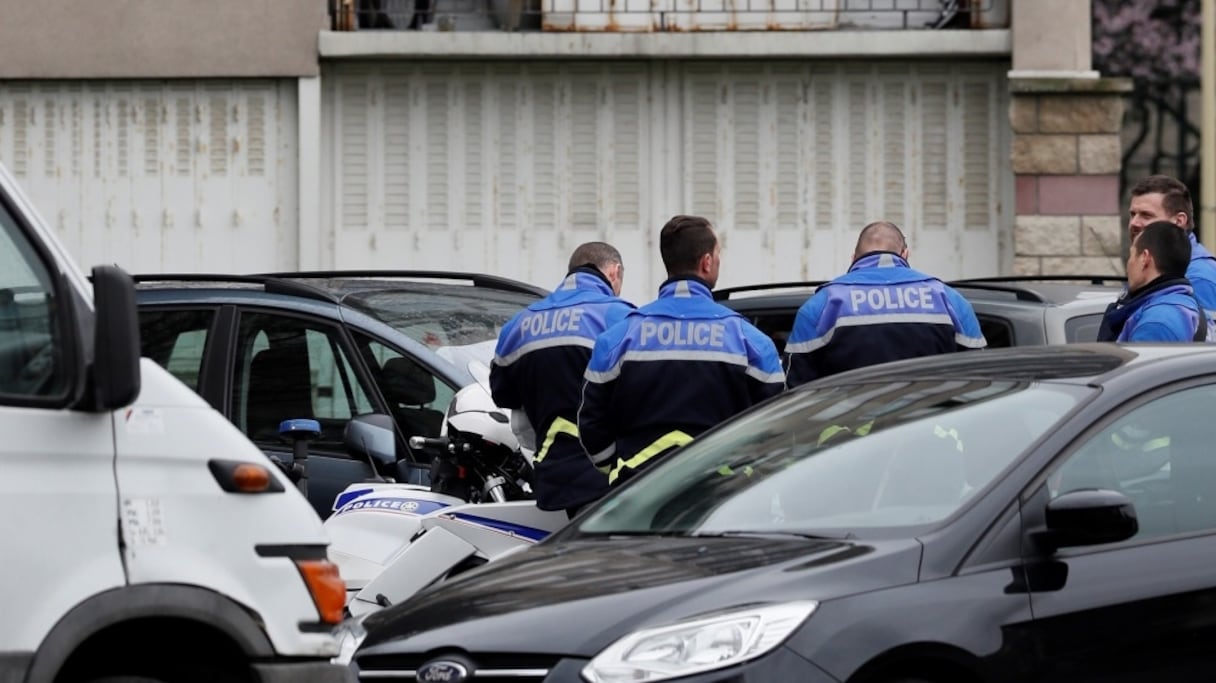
(881, 310)
(538, 367)
(668, 372)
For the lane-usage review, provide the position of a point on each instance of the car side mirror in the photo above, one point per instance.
(371, 438)
(116, 375)
(1089, 517)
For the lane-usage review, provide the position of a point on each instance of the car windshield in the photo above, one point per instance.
(460, 323)
(840, 460)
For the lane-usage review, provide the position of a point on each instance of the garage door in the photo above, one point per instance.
(506, 167)
(161, 175)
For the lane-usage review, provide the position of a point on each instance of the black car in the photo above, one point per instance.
(1042, 513)
(1012, 311)
(329, 346)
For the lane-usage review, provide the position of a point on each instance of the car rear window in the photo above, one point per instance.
(1082, 328)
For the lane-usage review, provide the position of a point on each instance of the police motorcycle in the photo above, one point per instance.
(391, 539)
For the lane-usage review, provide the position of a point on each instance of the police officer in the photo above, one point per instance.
(1163, 198)
(881, 310)
(1160, 304)
(538, 368)
(675, 367)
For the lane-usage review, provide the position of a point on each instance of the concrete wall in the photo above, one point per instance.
(1052, 35)
(159, 38)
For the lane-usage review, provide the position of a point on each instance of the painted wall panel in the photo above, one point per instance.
(160, 175)
(506, 167)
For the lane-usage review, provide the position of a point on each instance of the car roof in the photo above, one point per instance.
(1080, 363)
(1044, 290)
(1057, 290)
(335, 286)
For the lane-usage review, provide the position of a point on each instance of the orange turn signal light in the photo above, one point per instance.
(250, 478)
(239, 476)
(326, 586)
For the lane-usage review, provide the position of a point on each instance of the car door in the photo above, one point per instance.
(296, 367)
(1145, 608)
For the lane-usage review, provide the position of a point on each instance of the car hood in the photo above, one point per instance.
(576, 597)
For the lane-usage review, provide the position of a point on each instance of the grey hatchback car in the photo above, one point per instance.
(1012, 311)
(329, 346)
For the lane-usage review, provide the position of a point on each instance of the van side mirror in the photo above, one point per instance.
(1089, 517)
(371, 438)
(115, 370)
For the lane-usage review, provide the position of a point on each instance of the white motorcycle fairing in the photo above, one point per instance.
(449, 537)
(372, 521)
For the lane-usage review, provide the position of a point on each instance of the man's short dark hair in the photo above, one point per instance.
(598, 254)
(1169, 246)
(1175, 197)
(683, 241)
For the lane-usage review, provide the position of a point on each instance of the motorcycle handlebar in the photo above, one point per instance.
(418, 442)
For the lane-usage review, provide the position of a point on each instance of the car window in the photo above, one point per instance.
(417, 398)
(443, 317)
(1082, 328)
(289, 368)
(32, 363)
(849, 459)
(176, 340)
(998, 332)
(1160, 455)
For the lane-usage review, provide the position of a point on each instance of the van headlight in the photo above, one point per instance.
(350, 634)
(698, 645)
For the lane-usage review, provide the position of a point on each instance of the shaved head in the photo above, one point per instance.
(880, 236)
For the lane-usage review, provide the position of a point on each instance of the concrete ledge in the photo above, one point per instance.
(1066, 83)
(717, 45)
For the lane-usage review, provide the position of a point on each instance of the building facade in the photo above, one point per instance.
(496, 136)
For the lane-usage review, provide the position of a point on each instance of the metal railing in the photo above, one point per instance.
(664, 15)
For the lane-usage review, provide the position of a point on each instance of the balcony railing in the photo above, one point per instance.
(665, 15)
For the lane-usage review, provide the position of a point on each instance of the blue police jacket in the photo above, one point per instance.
(669, 371)
(1165, 310)
(538, 367)
(1202, 274)
(881, 310)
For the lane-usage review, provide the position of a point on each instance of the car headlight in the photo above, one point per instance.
(350, 634)
(698, 645)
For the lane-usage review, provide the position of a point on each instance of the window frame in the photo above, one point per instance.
(344, 343)
(71, 316)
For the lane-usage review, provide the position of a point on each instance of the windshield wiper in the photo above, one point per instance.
(756, 533)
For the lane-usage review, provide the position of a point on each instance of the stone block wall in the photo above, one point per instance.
(1066, 154)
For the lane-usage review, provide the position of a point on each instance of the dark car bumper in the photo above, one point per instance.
(313, 672)
(779, 665)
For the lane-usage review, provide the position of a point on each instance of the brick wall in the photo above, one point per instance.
(1066, 154)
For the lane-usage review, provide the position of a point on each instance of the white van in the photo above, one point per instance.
(144, 537)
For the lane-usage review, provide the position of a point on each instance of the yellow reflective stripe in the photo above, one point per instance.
(560, 426)
(941, 432)
(727, 471)
(668, 440)
(1159, 442)
(832, 430)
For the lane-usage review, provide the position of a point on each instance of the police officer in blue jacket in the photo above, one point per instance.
(1163, 198)
(881, 310)
(675, 367)
(538, 368)
(1160, 305)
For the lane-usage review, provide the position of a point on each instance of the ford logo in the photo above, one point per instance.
(442, 671)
